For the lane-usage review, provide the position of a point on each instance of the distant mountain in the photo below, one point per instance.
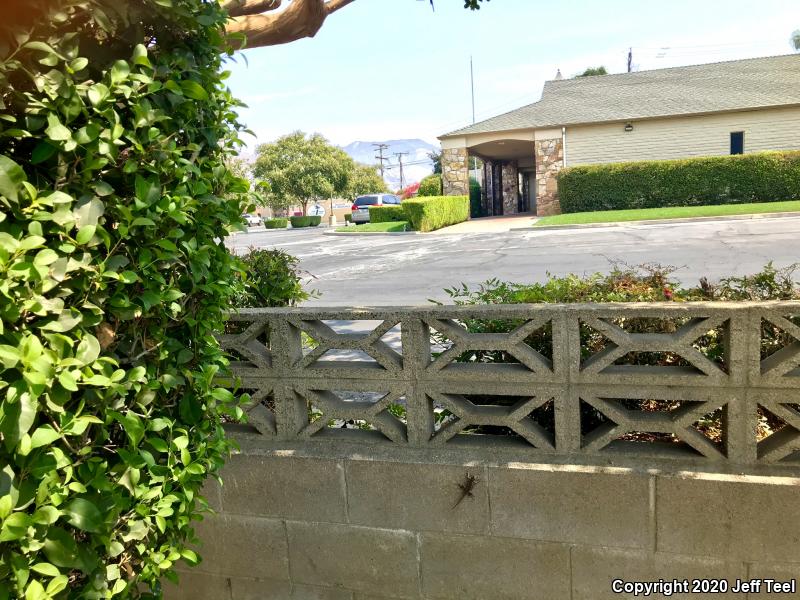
(416, 163)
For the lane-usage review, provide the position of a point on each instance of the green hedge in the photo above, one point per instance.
(430, 186)
(314, 221)
(276, 223)
(300, 221)
(435, 212)
(387, 214)
(761, 177)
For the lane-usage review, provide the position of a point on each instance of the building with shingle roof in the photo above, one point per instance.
(720, 108)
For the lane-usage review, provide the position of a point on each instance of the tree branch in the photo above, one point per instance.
(333, 5)
(238, 8)
(302, 18)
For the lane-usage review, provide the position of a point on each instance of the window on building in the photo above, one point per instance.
(737, 142)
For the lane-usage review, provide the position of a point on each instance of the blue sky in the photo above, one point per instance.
(389, 69)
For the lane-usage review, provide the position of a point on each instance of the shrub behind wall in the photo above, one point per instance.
(761, 177)
(435, 212)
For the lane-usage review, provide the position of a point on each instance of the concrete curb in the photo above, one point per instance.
(347, 234)
(662, 221)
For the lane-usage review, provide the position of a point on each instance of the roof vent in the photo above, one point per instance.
(559, 76)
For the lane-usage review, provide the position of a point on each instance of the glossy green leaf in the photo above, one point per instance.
(61, 549)
(148, 191)
(97, 93)
(43, 436)
(120, 71)
(84, 515)
(11, 177)
(46, 569)
(56, 130)
(88, 349)
(193, 90)
(85, 234)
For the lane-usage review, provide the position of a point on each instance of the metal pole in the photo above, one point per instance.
(472, 87)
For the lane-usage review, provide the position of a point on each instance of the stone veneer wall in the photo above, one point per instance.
(306, 521)
(549, 157)
(455, 172)
(510, 188)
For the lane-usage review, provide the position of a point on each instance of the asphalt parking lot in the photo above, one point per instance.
(410, 269)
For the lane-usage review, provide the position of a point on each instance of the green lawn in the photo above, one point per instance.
(390, 226)
(678, 212)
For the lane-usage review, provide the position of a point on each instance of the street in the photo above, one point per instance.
(409, 269)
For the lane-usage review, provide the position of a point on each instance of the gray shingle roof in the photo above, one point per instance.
(715, 87)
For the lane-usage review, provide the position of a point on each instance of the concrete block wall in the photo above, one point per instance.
(304, 521)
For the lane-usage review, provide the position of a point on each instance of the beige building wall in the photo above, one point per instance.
(683, 137)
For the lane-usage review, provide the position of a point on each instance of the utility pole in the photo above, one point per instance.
(472, 87)
(630, 59)
(400, 156)
(380, 148)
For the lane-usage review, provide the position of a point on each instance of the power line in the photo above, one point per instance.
(426, 161)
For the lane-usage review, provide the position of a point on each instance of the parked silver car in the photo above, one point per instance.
(252, 220)
(360, 208)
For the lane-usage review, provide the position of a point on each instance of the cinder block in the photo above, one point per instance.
(310, 592)
(270, 589)
(359, 596)
(211, 492)
(461, 567)
(782, 573)
(745, 518)
(607, 509)
(357, 558)
(307, 489)
(195, 585)
(250, 547)
(260, 589)
(594, 569)
(417, 497)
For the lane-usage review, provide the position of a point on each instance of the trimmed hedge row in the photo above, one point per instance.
(435, 212)
(307, 221)
(760, 177)
(387, 214)
(276, 223)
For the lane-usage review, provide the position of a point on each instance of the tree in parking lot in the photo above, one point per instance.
(300, 169)
(365, 180)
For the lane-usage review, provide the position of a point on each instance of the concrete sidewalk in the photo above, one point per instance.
(491, 224)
